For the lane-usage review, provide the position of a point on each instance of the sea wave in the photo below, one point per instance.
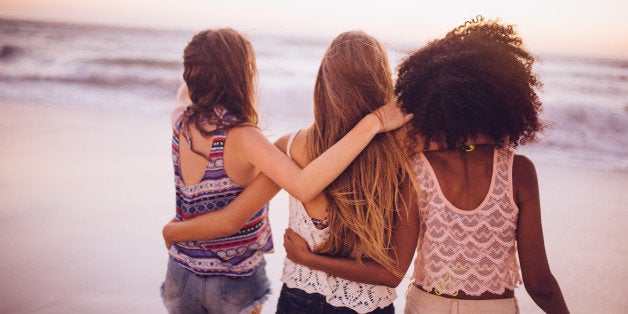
(585, 135)
(113, 81)
(10, 52)
(592, 61)
(111, 68)
(138, 62)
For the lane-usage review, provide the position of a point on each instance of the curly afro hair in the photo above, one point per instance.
(476, 82)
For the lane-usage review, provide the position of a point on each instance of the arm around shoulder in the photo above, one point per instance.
(229, 220)
(405, 235)
(307, 183)
(226, 221)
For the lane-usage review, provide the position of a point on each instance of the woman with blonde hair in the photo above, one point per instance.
(360, 217)
(218, 150)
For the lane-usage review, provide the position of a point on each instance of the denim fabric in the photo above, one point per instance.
(185, 292)
(297, 301)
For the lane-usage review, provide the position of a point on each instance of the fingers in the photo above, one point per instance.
(407, 118)
(286, 235)
(391, 116)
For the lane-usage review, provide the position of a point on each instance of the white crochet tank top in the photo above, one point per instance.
(360, 297)
(471, 251)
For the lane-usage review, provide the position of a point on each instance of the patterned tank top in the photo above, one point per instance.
(471, 251)
(236, 255)
(339, 292)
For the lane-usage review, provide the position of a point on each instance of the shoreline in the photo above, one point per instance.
(86, 192)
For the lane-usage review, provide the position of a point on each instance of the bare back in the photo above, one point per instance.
(193, 159)
(464, 177)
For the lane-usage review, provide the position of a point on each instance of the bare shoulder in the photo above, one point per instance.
(523, 168)
(525, 182)
(298, 151)
(245, 132)
(282, 142)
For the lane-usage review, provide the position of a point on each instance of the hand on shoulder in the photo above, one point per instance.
(390, 116)
(182, 102)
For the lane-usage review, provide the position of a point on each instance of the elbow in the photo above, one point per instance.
(539, 292)
(304, 198)
(166, 233)
(304, 194)
(229, 228)
(304, 188)
(540, 288)
(390, 280)
(393, 283)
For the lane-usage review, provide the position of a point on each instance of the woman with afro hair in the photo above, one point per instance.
(473, 96)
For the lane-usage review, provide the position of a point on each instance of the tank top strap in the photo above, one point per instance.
(503, 172)
(177, 124)
(290, 140)
(218, 144)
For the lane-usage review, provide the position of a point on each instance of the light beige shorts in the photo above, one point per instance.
(419, 301)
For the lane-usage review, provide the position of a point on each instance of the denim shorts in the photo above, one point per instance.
(297, 301)
(185, 292)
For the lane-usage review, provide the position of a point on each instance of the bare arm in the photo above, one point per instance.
(406, 232)
(304, 184)
(537, 277)
(226, 221)
(307, 183)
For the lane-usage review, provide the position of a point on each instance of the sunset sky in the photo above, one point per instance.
(590, 28)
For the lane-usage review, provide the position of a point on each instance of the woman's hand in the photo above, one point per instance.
(296, 247)
(183, 96)
(391, 116)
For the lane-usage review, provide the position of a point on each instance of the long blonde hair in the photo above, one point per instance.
(353, 80)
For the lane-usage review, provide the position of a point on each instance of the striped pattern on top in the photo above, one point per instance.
(236, 255)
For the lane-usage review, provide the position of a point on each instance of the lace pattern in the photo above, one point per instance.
(360, 297)
(470, 251)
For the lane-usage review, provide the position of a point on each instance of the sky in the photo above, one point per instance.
(580, 28)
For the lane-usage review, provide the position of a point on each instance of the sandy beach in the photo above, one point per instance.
(85, 194)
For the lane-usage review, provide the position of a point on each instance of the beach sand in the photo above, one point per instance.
(85, 194)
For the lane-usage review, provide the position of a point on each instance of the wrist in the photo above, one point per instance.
(371, 124)
(309, 259)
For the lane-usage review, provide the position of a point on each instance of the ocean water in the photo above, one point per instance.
(138, 71)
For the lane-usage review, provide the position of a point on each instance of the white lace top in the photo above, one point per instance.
(471, 251)
(360, 297)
